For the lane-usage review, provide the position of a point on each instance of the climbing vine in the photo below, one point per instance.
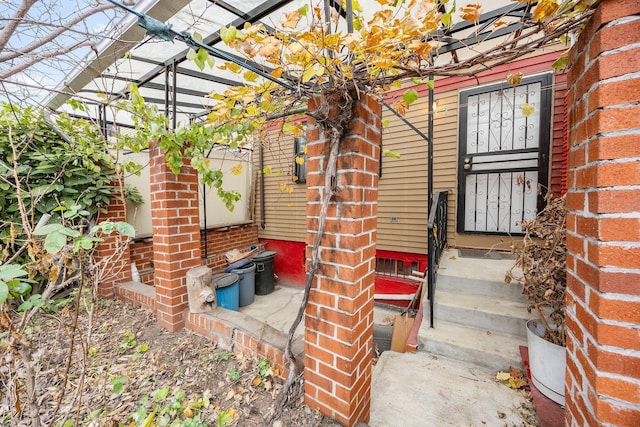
(311, 52)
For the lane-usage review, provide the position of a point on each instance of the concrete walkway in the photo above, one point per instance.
(420, 389)
(412, 389)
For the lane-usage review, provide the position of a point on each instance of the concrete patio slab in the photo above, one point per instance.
(279, 309)
(420, 389)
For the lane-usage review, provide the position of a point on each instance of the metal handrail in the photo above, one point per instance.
(437, 242)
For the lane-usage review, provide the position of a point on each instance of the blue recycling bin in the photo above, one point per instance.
(227, 290)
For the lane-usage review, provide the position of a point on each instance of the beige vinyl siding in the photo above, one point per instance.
(402, 192)
(402, 196)
(445, 154)
(285, 214)
(404, 187)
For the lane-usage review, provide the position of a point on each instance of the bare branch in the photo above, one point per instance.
(34, 60)
(54, 34)
(8, 31)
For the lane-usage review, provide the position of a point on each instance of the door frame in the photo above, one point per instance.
(546, 113)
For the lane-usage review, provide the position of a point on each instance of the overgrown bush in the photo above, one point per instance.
(65, 173)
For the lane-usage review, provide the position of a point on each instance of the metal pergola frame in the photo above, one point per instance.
(168, 92)
(172, 69)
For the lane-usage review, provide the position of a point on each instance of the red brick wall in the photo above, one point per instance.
(113, 248)
(233, 336)
(339, 315)
(221, 241)
(142, 253)
(218, 243)
(176, 236)
(603, 225)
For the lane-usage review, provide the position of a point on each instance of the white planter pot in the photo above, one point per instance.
(547, 362)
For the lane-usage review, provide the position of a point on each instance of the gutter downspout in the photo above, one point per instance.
(263, 221)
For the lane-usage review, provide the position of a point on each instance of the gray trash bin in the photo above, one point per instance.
(247, 282)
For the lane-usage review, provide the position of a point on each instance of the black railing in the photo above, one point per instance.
(437, 241)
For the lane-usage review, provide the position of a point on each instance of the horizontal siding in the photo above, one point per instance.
(285, 214)
(445, 153)
(403, 193)
(402, 197)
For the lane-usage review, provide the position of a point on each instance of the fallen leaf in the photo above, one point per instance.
(503, 376)
(256, 380)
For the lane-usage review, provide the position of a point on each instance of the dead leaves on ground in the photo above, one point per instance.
(514, 379)
(130, 358)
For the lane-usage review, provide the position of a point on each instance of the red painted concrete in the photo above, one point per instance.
(289, 266)
(289, 262)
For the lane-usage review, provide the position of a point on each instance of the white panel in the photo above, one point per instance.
(477, 124)
(498, 124)
(504, 205)
(520, 129)
(217, 212)
(505, 157)
(139, 216)
(507, 119)
(483, 123)
(480, 204)
(470, 203)
(493, 201)
(506, 165)
(530, 195)
(533, 121)
(517, 201)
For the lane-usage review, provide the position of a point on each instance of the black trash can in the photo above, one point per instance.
(264, 272)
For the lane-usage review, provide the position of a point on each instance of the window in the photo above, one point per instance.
(300, 159)
(395, 267)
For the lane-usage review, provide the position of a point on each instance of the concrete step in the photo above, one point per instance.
(476, 276)
(489, 288)
(483, 347)
(480, 311)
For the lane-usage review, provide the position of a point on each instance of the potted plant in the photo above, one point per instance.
(540, 268)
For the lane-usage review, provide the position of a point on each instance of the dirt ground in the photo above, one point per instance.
(135, 373)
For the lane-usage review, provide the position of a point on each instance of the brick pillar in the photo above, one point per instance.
(603, 225)
(176, 236)
(339, 316)
(112, 247)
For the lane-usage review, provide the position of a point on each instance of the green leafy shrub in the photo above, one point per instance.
(62, 169)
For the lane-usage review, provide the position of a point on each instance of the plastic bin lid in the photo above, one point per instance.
(225, 279)
(238, 264)
(264, 255)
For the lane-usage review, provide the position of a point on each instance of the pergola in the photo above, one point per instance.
(165, 77)
(157, 60)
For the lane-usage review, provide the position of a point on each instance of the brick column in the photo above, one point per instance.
(176, 236)
(603, 225)
(112, 247)
(339, 316)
